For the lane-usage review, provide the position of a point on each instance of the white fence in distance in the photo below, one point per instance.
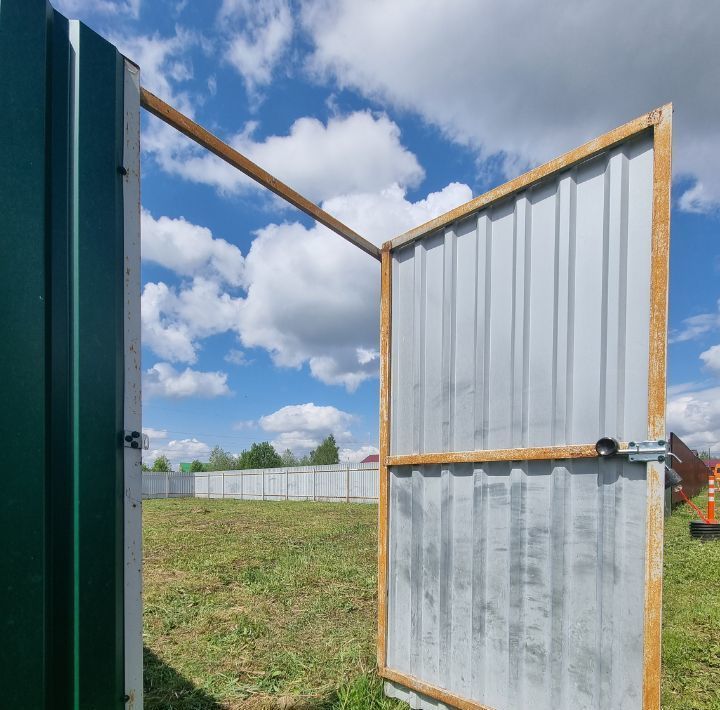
(342, 483)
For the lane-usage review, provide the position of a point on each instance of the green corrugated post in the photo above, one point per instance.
(98, 371)
(61, 353)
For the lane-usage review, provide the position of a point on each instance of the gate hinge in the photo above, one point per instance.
(637, 451)
(135, 440)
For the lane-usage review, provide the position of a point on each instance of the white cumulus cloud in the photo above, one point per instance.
(301, 427)
(711, 358)
(358, 152)
(694, 415)
(174, 320)
(237, 357)
(190, 250)
(178, 450)
(696, 326)
(309, 297)
(308, 417)
(163, 380)
(312, 298)
(526, 81)
(259, 33)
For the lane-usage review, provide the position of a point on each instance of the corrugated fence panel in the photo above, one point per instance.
(274, 484)
(357, 483)
(201, 486)
(181, 486)
(253, 485)
(526, 324)
(215, 485)
(513, 327)
(693, 470)
(510, 583)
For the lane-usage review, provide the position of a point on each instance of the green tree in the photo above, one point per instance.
(242, 461)
(220, 460)
(161, 464)
(145, 467)
(325, 454)
(262, 455)
(289, 458)
(197, 466)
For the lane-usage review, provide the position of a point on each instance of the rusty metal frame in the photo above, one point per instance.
(660, 122)
(157, 107)
(657, 394)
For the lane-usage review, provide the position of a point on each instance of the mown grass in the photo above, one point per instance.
(260, 605)
(272, 605)
(691, 617)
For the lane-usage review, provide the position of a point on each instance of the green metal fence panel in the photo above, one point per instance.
(23, 211)
(61, 352)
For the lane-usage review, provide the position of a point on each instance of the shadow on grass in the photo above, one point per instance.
(165, 688)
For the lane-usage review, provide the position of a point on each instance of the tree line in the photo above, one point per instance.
(262, 455)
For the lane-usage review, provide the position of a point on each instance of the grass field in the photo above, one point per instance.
(260, 605)
(272, 605)
(691, 617)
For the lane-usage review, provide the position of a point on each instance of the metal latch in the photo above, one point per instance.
(135, 440)
(638, 451)
(645, 451)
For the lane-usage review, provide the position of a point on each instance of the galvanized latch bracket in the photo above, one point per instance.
(135, 440)
(645, 451)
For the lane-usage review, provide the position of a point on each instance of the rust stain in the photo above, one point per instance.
(431, 691)
(527, 454)
(207, 140)
(577, 155)
(662, 182)
(383, 498)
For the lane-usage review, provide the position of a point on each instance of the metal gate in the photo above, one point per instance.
(517, 567)
(69, 221)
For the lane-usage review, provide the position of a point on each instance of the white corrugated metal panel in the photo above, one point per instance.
(518, 584)
(201, 485)
(512, 328)
(526, 324)
(354, 482)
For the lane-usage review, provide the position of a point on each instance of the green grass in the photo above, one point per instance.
(272, 605)
(260, 605)
(691, 617)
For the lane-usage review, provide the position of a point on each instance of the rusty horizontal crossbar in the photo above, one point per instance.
(430, 690)
(543, 453)
(210, 142)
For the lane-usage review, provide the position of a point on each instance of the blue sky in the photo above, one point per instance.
(259, 325)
